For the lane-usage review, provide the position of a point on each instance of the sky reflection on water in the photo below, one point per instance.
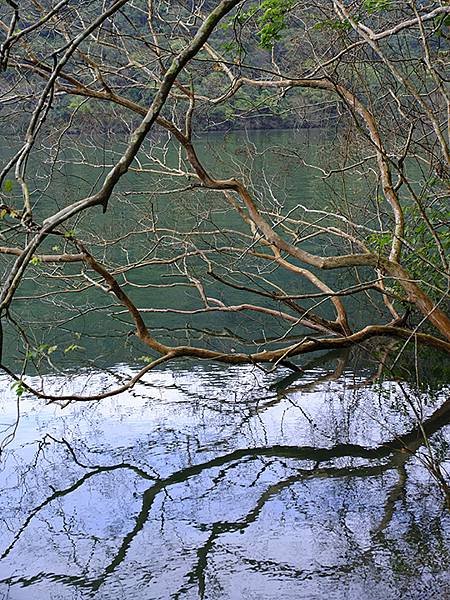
(225, 483)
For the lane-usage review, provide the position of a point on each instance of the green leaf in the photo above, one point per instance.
(8, 186)
(72, 348)
(272, 21)
(146, 359)
(373, 6)
(332, 24)
(19, 388)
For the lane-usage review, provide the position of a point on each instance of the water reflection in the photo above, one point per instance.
(227, 483)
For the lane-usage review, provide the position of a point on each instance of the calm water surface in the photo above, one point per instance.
(226, 483)
(212, 482)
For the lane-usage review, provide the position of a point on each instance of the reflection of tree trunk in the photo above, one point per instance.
(341, 357)
(396, 493)
(399, 448)
(408, 442)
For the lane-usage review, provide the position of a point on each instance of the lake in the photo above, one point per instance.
(207, 481)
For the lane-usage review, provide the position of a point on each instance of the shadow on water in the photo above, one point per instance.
(169, 497)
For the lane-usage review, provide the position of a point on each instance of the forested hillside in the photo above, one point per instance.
(263, 38)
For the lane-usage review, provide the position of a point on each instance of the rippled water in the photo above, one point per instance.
(206, 482)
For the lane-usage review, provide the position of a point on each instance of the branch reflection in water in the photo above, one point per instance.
(229, 483)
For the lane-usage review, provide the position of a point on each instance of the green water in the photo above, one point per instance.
(65, 312)
(207, 481)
